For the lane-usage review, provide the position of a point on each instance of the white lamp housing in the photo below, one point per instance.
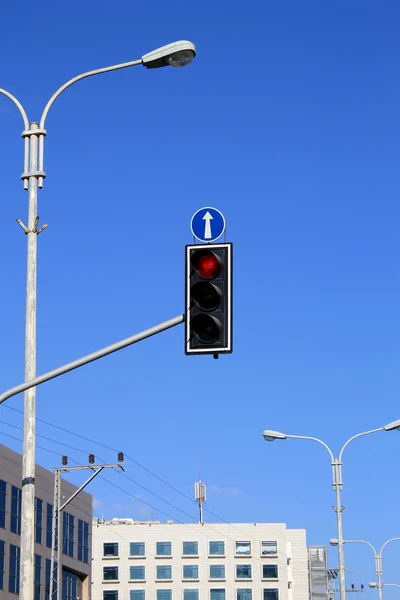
(177, 54)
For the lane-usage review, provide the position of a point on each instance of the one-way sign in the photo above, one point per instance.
(207, 224)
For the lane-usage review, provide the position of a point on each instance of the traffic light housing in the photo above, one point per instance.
(208, 324)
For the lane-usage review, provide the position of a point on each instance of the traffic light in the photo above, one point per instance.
(208, 325)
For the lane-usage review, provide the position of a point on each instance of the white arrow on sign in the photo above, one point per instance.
(207, 230)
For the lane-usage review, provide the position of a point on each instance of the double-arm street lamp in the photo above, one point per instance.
(337, 482)
(177, 54)
(378, 560)
(373, 584)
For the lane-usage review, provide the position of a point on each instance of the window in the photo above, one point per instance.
(217, 594)
(68, 534)
(243, 571)
(3, 498)
(2, 555)
(49, 524)
(48, 575)
(269, 548)
(244, 594)
(271, 594)
(16, 496)
(13, 581)
(163, 549)
(37, 574)
(164, 594)
(71, 586)
(137, 573)
(137, 549)
(110, 573)
(137, 595)
(217, 571)
(110, 595)
(38, 520)
(190, 572)
(243, 548)
(190, 594)
(190, 549)
(164, 572)
(110, 549)
(217, 549)
(83, 541)
(270, 571)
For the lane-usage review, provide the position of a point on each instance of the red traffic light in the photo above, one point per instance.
(206, 263)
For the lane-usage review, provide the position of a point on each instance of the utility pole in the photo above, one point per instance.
(56, 538)
(200, 496)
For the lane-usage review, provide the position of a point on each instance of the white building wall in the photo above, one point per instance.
(292, 581)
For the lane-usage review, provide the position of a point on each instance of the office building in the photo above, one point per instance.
(76, 530)
(213, 561)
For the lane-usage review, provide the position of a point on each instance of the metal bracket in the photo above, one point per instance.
(341, 509)
(36, 174)
(29, 132)
(35, 229)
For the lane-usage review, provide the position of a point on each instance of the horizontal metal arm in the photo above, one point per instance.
(80, 362)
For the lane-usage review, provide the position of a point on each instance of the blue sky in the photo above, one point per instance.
(288, 122)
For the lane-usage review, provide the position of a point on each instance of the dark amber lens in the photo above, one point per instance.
(206, 295)
(205, 328)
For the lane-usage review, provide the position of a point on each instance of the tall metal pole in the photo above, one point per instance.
(339, 511)
(28, 460)
(378, 567)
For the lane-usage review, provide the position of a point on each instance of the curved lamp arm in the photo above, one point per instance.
(313, 439)
(361, 542)
(78, 78)
(18, 105)
(388, 542)
(357, 436)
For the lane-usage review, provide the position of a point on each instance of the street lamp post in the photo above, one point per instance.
(377, 557)
(177, 54)
(337, 483)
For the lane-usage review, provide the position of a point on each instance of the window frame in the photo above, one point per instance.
(244, 590)
(164, 590)
(109, 567)
(238, 578)
(3, 504)
(38, 521)
(83, 541)
(190, 590)
(270, 590)
(111, 556)
(264, 578)
(132, 579)
(110, 592)
(271, 554)
(210, 554)
(68, 534)
(137, 556)
(190, 578)
(137, 591)
(2, 563)
(195, 555)
(157, 555)
(37, 585)
(15, 575)
(16, 503)
(239, 554)
(215, 590)
(210, 578)
(49, 524)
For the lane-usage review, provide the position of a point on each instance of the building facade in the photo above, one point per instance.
(76, 525)
(213, 561)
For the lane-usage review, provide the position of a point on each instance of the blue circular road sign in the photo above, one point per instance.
(207, 224)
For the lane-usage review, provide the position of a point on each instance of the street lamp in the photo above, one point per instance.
(177, 54)
(337, 482)
(377, 556)
(373, 584)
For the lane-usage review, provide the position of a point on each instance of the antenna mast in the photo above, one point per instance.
(200, 497)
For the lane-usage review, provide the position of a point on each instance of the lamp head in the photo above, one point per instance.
(333, 542)
(270, 435)
(373, 584)
(393, 425)
(177, 54)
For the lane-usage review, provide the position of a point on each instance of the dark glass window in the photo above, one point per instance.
(49, 525)
(270, 571)
(37, 573)
(271, 594)
(137, 549)
(244, 594)
(110, 595)
(16, 499)
(243, 571)
(83, 541)
(3, 498)
(38, 520)
(71, 586)
(48, 576)
(2, 556)
(110, 549)
(68, 534)
(110, 573)
(13, 580)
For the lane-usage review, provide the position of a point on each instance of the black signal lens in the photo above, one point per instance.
(205, 328)
(206, 263)
(206, 295)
